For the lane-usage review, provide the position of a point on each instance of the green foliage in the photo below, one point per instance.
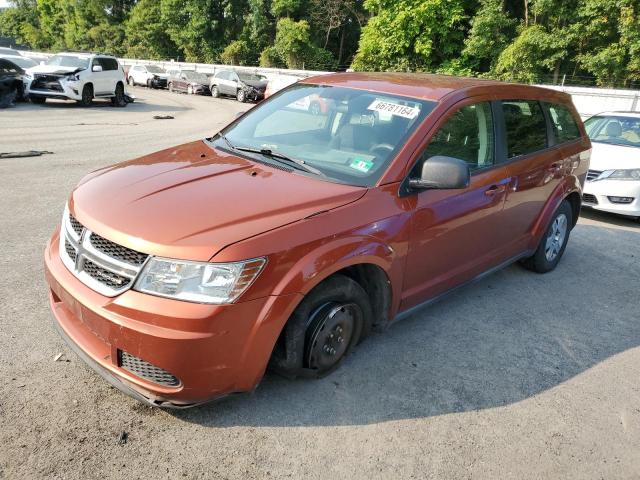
(282, 8)
(269, 58)
(236, 53)
(410, 34)
(292, 41)
(145, 33)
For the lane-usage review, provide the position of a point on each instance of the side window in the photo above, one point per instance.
(467, 135)
(223, 75)
(111, 63)
(563, 124)
(526, 127)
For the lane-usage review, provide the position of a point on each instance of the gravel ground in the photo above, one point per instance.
(517, 376)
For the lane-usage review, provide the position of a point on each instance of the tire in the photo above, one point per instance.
(38, 100)
(131, 81)
(241, 96)
(323, 329)
(119, 100)
(149, 84)
(214, 91)
(87, 95)
(190, 90)
(170, 86)
(553, 242)
(315, 108)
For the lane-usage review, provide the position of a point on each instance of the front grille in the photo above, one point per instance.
(46, 82)
(146, 370)
(119, 252)
(593, 174)
(76, 225)
(101, 264)
(588, 198)
(104, 276)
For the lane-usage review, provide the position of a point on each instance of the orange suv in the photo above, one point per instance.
(285, 238)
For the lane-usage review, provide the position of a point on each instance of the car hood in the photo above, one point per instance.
(191, 201)
(56, 69)
(605, 156)
(259, 84)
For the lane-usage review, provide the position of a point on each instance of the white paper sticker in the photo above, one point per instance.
(394, 109)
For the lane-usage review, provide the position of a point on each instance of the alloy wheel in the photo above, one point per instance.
(555, 237)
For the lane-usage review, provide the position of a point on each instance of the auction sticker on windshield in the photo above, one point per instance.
(394, 109)
(361, 164)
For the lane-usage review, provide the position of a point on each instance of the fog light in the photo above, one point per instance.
(620, 199)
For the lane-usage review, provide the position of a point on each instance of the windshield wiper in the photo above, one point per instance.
(267, 152)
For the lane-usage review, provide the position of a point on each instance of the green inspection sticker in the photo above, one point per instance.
(361, 164)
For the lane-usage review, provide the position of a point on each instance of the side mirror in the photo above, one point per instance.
(442, 172)
(96, 68)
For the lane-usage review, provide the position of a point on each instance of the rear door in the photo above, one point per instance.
(223, 82)
(458, 234)
(536, 168)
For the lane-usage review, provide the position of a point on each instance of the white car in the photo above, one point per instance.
(613, 181)
(150, 76)
(77, 76)
(277, 83)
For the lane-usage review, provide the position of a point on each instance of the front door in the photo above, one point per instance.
(458, 234)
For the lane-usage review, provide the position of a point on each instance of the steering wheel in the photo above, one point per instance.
(382, 147)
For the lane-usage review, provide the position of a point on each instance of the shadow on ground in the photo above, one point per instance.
(507, 338)
(140, 105)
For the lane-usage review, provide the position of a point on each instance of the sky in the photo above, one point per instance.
(4, 3)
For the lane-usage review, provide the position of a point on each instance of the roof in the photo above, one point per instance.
(425, 86)
(619, 113)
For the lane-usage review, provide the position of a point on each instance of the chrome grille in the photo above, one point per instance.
(101, 264)
(117, 251)
(146, 370)
(105, 276)
(593, 174)
(75, 225)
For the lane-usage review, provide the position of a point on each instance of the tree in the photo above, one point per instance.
(410, 35)
(292, 40)
(145, 33)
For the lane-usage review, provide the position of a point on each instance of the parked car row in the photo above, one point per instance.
(68, 76)
(243, 86)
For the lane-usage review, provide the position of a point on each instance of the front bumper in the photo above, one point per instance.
(597, 193)
(214, 350)
(158, 82)
(61, 89)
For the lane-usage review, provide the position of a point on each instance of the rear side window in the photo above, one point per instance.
(525, 126)
(467, 135)
(563, 124)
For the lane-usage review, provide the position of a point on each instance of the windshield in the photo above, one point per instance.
(251, 77)
(350, 135)
(154, 69)
(68, 61)
(614, 129)
(23, 62)
(196, 77)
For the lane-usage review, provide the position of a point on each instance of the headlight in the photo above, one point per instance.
(199, 282)
(633, 174)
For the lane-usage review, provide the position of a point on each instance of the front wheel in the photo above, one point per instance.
(131, 81)
(214, 91)
(553, 243)
(241, 96)
(87, 96)
(190, 90)
(323, 329)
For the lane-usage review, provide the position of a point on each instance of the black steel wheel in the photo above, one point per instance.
(323, 329)
(87, 95)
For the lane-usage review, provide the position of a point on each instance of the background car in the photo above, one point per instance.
(242, 85)
(613, 181)
(189, 81)
(9, 51)
(11, 83)
(150, 76)
(24, 63)
(77, 76)
(279, 82)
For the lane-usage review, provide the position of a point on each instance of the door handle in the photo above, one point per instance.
(494, 190)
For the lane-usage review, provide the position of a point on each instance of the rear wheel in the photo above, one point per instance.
(87, 95)
(119, 100)
(323, 329)
(553, 243)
